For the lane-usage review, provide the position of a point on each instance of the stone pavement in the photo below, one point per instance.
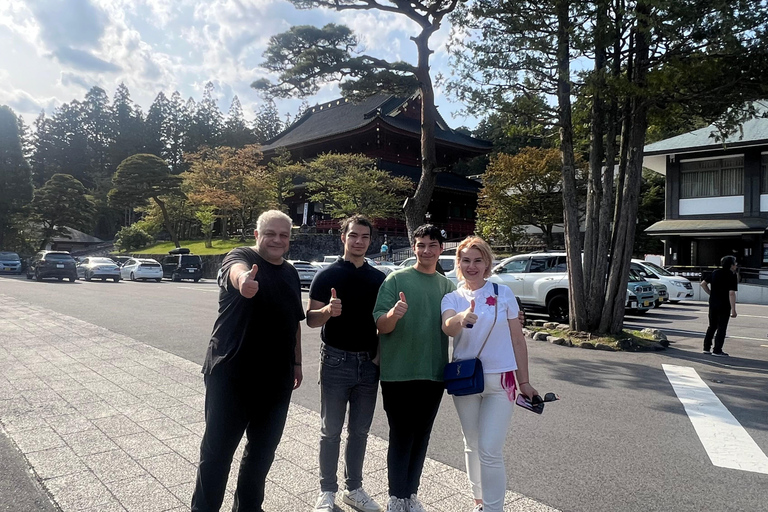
(110, 424)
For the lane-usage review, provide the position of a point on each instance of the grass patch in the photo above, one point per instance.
(195, 246)
(642, 339)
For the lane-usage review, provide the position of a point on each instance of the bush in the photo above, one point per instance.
(132, 237)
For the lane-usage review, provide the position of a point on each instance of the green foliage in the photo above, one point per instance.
(140, 178)
(649, 211)
(206, 215)
(518, 190)
(60, 204)
(15, 174)
(132, 237)
(350, 183)
(307, 57)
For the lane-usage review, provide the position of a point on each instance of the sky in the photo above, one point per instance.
(54, 51)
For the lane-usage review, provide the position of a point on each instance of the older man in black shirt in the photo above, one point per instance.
(348, 374)
(722, 303)
(252, 365)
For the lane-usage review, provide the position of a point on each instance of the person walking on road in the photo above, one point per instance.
(252, 365)
(484, 321)
(414, 352)
(722, 303)
(341, 299)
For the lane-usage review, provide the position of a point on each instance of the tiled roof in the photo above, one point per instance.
(341, 116)
(76, 236)
(752, 132)
(677, 226)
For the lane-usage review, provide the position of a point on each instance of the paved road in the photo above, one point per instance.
(619, 439)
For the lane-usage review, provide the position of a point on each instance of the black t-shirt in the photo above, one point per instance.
(354, 330)
(256, 337)
(721, 282)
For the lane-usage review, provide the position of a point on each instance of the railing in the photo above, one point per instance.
(757, 276)
(398, 255)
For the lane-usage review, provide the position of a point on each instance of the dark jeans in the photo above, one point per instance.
(345, 378)
(234, 406)
(718, 323)
(411, 408)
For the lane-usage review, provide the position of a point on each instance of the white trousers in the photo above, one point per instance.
(485, 418)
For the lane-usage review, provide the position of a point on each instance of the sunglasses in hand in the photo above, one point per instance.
(535, 404)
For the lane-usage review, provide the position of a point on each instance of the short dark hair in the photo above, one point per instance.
(429, 230)
(356, 219)
(726, 262)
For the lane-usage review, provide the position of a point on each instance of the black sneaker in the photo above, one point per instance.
(706, 352)
(720, 354)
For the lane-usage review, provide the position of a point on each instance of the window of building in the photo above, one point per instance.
(712, 178)
(764, 175)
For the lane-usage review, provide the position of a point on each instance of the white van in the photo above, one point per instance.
(678, 288)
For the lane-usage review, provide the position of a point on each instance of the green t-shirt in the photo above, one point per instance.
(417, 349)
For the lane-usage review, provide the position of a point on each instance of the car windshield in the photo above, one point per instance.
(658, 269)
(187, 260)
(102, 261)
(9, 256)
(634, 277)
(57, 256)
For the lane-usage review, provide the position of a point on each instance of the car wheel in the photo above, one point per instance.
(37, 276)
(159, 280)
(639, 311)
(557, 308)
(87, 277)
(72, 279)
(29, 276)
(658, 304)
(175, 277)
(133, 277)
(197, 279)
(60, 278)
(674, 301)
(116, 279)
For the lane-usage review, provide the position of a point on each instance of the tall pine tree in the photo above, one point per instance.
(15, 173)
(236, 131)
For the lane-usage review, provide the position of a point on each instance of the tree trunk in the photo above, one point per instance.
(595, 261)
(627, 216)
(167, 222)
(570, 200)
(416, 207)
(224, 226)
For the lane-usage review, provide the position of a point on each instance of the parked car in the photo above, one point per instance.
(662, 291)
(98, 268)
(540, 281)
(307, 271)
(641, 295)
(142, 269)
(10, 262)
(678, 287)
(180, 264)
(447, 262)
(58, 264)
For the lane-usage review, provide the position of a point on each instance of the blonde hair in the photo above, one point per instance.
(270, 215)
(474, 242)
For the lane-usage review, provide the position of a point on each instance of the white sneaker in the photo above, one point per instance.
(360, 500)
(326, 502)
(396, 504)
(414, 505)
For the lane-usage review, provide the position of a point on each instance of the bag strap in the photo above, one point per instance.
(495, 316)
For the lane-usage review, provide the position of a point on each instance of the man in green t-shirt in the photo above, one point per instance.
(414, 352)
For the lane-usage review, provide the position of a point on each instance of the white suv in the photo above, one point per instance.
(540, 281)
(678, 288)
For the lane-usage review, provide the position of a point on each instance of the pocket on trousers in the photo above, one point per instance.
(330, 361)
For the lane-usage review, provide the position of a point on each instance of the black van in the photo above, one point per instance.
(180, 264)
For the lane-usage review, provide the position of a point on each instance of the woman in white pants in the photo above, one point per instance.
(473, 314)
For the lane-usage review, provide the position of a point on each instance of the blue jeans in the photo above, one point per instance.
(345, 377)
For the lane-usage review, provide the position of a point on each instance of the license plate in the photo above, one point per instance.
(306, 276)
(8, 269)
(59, 265)
(190, 270)
(646, 303)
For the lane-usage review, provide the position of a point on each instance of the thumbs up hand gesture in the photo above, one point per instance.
(248, 284)
(334, 306)
(400, 307)
(468, 316)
